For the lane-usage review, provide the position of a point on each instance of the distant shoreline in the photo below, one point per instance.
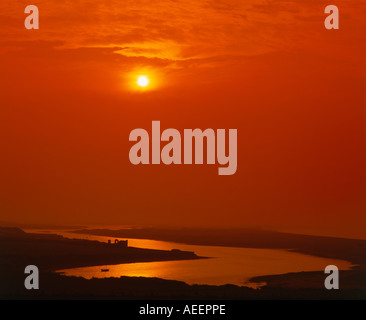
(352, 250)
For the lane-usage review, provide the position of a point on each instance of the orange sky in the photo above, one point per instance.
(295, 91)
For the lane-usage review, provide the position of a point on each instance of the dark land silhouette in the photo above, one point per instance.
(53, 252)
(352, 250)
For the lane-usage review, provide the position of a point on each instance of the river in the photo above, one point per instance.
(227, 265)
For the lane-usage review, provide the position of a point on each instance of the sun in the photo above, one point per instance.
(143, 81)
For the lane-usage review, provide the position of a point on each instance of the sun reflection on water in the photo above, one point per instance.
(226, 264)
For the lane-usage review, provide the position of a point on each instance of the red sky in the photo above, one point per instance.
(295, 91)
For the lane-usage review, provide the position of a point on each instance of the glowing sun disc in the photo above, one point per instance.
(142, 81)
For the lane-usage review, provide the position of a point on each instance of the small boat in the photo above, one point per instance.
(105, 270)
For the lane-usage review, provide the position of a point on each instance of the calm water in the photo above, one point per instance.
(228, 265)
